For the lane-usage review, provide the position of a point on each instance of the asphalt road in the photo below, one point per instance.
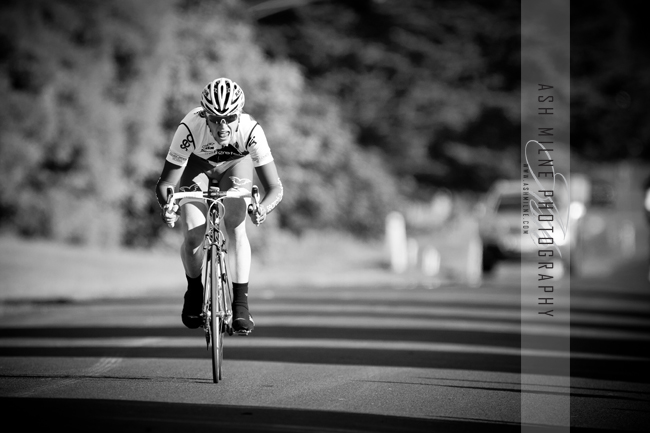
(381, 360)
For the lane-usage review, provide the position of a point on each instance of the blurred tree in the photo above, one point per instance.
(432, 83)
(76, 81)
(414, 77)
(610, 80)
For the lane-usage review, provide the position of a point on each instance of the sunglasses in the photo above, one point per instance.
(217, 119)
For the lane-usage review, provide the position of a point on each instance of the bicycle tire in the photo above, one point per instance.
(216, 325)
(207, 284)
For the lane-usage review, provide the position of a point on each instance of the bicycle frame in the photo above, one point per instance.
(215, 246)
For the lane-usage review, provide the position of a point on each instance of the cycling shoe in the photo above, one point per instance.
(192, 306)
(242, 322)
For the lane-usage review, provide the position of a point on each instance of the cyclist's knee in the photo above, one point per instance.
(235, 218)
(194, 223)
(236, 231)
(194, 236)
(193, 215)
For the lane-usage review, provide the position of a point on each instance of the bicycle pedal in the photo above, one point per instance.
(243, 333)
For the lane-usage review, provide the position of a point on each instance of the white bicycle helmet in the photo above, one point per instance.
(222, 97)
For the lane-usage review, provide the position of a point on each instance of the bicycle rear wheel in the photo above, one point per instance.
(216, 325)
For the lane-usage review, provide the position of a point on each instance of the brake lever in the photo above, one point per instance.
(255, 194)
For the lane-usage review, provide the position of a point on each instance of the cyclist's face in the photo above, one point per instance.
(222, 127)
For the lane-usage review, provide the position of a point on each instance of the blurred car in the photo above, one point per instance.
(503, 223)
(500, 226)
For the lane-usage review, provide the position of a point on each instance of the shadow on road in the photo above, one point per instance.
(131, 416)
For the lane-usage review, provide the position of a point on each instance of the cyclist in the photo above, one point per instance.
(218, 141)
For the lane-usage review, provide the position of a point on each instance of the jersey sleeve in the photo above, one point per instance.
(183, 144)
(258, 147)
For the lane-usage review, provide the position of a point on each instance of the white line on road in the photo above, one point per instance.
(102, 366)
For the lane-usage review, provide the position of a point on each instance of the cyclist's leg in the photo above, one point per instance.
(193, 218)
(193, 223)
(192, 252)
(239, 176)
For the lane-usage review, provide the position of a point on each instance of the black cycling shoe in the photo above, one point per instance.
(242, 322)
(191, 315)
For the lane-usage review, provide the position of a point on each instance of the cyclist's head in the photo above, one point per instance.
(222, 97)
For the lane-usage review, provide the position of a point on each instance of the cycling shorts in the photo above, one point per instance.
(199, 174)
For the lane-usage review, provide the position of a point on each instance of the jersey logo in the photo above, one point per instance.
(192, 188)
(210, 147)
(176, 158)
(189, 141)
(239, 182)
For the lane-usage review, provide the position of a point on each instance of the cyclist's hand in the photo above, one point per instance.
(170, 214)
(258, 216)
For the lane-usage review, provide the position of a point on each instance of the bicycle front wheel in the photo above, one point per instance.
(217, 313)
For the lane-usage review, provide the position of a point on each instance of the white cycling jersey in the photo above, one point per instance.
(193, 137)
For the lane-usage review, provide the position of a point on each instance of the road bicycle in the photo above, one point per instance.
(217, 289)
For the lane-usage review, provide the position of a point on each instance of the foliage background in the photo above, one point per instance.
(368, 105)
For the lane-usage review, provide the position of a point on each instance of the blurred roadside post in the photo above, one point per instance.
(474, 272)
(397, 242)
(413, 252)
(646, 205)
(431, 261)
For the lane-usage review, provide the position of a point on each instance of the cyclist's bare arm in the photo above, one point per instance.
(170, 176)
(273, 191)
